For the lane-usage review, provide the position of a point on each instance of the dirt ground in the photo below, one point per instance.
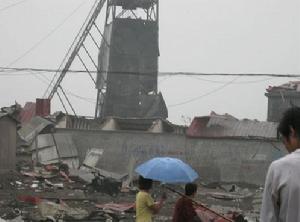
(19, 195)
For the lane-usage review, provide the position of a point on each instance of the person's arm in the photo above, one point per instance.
(155, 207)
(269, 208)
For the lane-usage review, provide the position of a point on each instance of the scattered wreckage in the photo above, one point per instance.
(53, 183)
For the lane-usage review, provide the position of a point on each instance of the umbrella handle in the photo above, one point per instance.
(199, 204)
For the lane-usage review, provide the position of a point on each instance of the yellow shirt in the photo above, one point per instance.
(143, 203)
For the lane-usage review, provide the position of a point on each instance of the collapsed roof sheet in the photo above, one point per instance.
(33, 128)
(220, 126)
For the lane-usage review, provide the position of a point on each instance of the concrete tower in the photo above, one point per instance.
(128, 62)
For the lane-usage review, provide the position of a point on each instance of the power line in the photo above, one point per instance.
(12, 5)
(204, 95)
(6, 70)
(46, 81)
(46, 36)
(240, 82)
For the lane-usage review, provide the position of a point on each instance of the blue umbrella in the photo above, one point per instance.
(167, 170)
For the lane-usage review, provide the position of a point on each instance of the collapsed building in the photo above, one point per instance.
(131, 115)
(220, 147)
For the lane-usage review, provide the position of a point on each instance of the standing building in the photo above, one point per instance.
(282, 97)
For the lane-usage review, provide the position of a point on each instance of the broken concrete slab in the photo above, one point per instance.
(60, 210)
(92, 157)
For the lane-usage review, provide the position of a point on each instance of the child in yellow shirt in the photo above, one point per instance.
(145, 205)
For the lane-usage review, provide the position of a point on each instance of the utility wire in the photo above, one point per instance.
(46, 81)
(6, 70)
(240, 82)
(45, 37)
(204, 95)
(12, 5)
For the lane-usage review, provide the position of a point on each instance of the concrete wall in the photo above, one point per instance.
(280, 102)
(227, 160)
(8, 139)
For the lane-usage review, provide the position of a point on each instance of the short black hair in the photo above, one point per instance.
(190, 189)
(144, 183)
(290, 119)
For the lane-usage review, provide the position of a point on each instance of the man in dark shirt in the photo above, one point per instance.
(184, 210)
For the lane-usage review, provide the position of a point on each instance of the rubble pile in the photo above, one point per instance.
(50, 193)
(56, 181)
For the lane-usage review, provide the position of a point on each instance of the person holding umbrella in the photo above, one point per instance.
(145, 205)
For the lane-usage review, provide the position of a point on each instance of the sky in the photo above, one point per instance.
(207, 36)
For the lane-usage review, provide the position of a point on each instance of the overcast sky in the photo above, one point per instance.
(231, 36)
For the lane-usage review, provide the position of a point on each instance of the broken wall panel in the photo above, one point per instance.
(55, 148)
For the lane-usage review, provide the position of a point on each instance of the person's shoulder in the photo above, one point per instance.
(142, 194)
(282, 162)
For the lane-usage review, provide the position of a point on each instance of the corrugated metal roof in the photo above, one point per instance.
(33, 128)
(221, 126)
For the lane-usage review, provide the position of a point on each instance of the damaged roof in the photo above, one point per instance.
(33, 128)
(292, 86)
(227, 126)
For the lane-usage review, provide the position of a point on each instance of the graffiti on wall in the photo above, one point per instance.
(146, 150)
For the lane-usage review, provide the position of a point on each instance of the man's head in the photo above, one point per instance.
(289, 129)
(190, 189)
(145, 184)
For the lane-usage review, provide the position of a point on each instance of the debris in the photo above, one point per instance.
(106, 185)
(64, 175)
(29, 199)
(18, 183)
(117, 207)
(17, 219)
(60, 210)
(57, 185)
(92, 157)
